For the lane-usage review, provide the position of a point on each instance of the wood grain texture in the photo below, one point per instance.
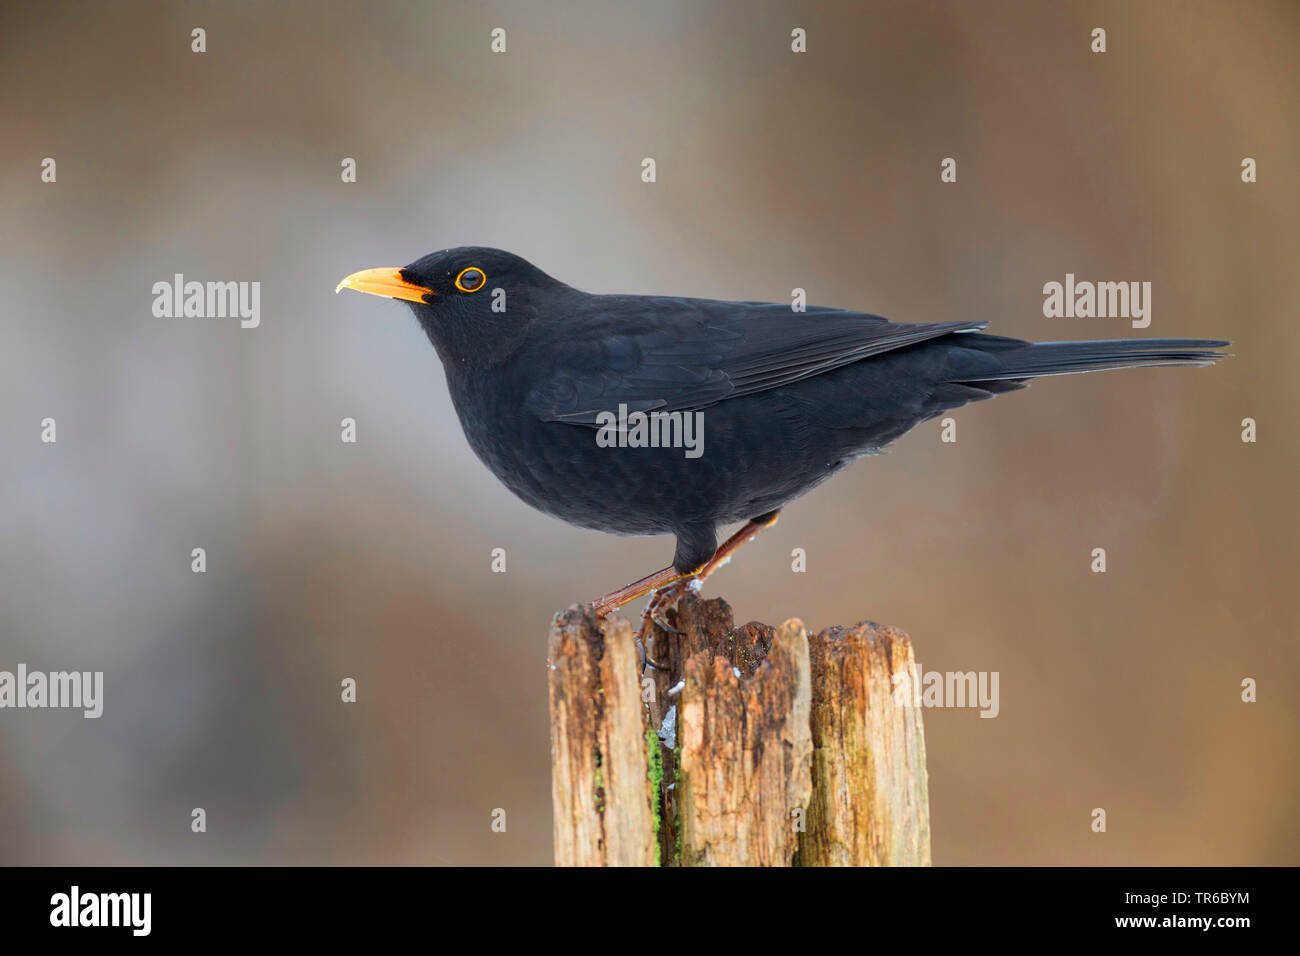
(777, 748)
(870, 803)
(744, 764)
(600, 790)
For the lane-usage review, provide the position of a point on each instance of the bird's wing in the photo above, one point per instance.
(684, 354)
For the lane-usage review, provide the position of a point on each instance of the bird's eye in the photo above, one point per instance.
(470, 280)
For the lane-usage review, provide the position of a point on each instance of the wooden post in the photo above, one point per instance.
(738, 746)
(745, 754)
(601, 793)
(870, 803)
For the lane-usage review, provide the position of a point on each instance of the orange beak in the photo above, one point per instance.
(385, 282)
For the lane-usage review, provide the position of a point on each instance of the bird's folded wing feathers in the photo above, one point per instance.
(681, 354)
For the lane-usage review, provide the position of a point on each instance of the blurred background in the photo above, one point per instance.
(775, 170)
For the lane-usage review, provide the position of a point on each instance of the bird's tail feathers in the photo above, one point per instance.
(1003, 358)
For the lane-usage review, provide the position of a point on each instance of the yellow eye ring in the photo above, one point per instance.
(473, 271)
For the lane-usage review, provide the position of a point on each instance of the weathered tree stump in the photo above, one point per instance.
(738, 746)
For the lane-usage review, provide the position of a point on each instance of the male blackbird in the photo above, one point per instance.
(538, 370)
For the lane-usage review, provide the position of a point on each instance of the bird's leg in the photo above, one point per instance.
(732, 544)
(604, 606)
(666, 587)
(669, 594)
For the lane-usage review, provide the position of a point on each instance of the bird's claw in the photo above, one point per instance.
(643, 658)
(654, 616)
(662, 622)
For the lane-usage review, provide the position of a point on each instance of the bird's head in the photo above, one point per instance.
(474, 303)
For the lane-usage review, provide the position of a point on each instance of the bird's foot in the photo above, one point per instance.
(666, 587)
(643, 659)
(654, 615)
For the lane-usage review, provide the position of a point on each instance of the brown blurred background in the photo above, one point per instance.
(775, 170)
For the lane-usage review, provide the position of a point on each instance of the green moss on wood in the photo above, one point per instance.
(655, 771)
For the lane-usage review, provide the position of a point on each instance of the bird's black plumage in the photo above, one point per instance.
(788, 398)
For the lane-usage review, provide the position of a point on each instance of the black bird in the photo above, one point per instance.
(537, 369)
